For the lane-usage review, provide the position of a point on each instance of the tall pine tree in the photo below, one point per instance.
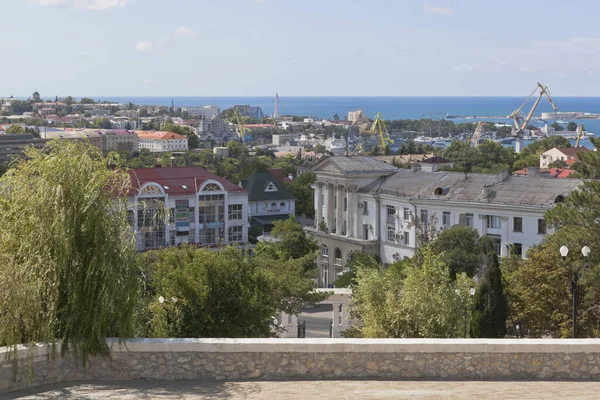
(490, 307)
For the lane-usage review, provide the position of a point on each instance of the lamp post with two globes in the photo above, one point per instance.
(585, 251)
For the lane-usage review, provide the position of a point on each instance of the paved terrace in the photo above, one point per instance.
(331, 390)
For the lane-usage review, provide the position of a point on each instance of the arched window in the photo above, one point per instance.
(282, 204)
(324, 251)
(337, 254)
(439, 191)
(211, 187)
(273, 205)
(559, 199)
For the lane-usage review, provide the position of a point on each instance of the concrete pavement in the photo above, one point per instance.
(331, 390)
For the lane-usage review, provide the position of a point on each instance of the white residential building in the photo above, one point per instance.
(560, 154)
(172, 206)
(370, 206)
(159, 142)
(206, 112)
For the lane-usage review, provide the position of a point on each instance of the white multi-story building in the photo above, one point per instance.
(159, 142)
(206, 112)
(172, 206)
(366, 205)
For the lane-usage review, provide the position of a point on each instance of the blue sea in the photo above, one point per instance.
(390, 107)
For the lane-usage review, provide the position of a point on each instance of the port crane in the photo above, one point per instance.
(580, 132)
(474, 140)
(521, 121)
(241, 127)
(378, 127)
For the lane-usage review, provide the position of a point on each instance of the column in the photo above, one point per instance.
(336, 321)
(330, 191)
(319, 204)
(338, 214)
(352, 210)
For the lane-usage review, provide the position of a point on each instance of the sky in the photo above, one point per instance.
(299, 47)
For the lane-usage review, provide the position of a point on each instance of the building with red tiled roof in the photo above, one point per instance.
(558, 173)
(159, 141)
(172, 206)
(560, 154)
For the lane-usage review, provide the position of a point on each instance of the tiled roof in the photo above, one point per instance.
(180, 181)
(159, 135)
(360, 164)
(572, 152)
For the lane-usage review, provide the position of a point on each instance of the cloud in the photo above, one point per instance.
(144, 46)
(503, 64)
(463, 68)
(431, 9)
(183, 32)
(82, 4)
(590, 72)
(163, 39)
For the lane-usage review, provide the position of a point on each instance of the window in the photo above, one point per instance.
(171, 215)
(345, 204)
(406, 214)
(366, 231)
(493, 222)
(391, 215)
(518, 224)
(324, 275)
(212, 187)
(470, 219)
(235, 212)
(424, 216)
(270, 187)
(337, 255)
(391, 210)
(192, 213)
(324, 251)
(365, 207)
(391, 234)
(406, 239)
(542, 229)
(282, 204)
(446, 218)
(335, 202)
(235, 233)
(518, 249)
(497, 245)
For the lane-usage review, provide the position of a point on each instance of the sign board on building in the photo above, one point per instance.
(182, 215)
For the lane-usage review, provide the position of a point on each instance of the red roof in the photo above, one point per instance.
(180, 180)
(559, 173)
(570, 161)
(159, 135)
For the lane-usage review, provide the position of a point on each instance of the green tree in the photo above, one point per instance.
(292, 243)
(320, 149)
(302, 191)
(15, 130)
(221, 294)
(102, 123)
(86, 100)
(68, 268)
(490, 308)
(572, 126)
(19, 107)
(463, 249)
(419, 300)
(336, 117)
(557, 127)
(356, 261)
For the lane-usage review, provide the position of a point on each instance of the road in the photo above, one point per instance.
(331, 390)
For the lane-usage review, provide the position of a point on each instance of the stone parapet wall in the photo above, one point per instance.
(310, 359)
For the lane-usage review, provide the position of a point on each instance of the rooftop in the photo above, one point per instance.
(349, 164)
(572, 151)
(159, 135)
(179, 180)
(257, 183)
(482, 188)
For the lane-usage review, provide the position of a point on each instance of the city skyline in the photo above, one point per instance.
(260, 47)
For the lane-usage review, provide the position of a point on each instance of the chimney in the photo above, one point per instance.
(533, 171)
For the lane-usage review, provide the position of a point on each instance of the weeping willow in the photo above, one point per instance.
(68, 269)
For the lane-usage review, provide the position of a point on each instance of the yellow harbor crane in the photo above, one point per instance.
(580, 132)
(378, 127)
(241, 127)
(521, 121)
(474, 140)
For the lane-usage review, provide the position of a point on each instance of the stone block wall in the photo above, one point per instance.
(311, 359)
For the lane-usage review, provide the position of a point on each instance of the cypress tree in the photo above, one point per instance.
(489, 306)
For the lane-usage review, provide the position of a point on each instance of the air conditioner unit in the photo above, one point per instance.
(396, 256)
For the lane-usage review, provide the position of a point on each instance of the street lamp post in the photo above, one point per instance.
(585, 251)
